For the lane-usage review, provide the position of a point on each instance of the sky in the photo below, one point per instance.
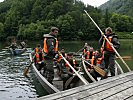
(1, 0)
(94, 3)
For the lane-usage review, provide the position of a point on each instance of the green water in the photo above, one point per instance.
(14, 86)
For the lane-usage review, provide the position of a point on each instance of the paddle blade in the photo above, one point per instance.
(69, 81)
(26, 71)
(100, 71)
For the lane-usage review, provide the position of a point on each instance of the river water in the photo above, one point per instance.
(14, 86)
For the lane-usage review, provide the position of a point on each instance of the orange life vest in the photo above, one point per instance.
(84, 52)
(38, 57)
(60, 57)
(108, 47)
(45, 49)
(99, 60)
(36, 50)
(88, 55)
(92, 60)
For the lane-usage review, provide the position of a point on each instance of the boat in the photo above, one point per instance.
(57, 85)
(17, 51)
(118, 70)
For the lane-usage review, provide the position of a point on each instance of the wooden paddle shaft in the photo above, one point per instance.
(108, 41)
(82, 79)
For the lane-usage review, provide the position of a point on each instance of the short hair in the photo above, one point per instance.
(70, 54)
(62, 48)
(54, 28)
(38, 45)
(108, 29)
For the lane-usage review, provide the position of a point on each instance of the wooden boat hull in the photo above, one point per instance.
(49, 87)
(118, 70)
(57, 82)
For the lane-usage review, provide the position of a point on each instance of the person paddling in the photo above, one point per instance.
(109, 53)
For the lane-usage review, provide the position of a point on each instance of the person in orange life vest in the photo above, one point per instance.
(39, 59)
(109, 54)
(50, 50)
(84, 49)
(89, 53)
(38, 48)
(66, 71)
(97, 60)
(58, 59)
(71, 60)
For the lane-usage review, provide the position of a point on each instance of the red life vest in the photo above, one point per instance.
(108, 47)
(45, 49)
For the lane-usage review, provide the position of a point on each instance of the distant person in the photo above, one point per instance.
(109, 53)
(50, 49)
(22, 45)
(13, 46)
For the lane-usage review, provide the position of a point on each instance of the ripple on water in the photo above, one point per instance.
(13, 85)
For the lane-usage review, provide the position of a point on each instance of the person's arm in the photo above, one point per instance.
(116, 43)
(101, 41)
(50, 46)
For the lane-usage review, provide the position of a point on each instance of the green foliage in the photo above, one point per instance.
(1, 31)
(30, 19)
(122, 23)
(124, 35)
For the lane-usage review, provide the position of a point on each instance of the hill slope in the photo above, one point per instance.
(119, 6)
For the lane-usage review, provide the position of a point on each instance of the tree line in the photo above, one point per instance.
(30, 19)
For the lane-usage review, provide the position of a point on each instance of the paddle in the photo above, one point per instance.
(97, 69)
(26, 70)
(70, 80)
(108, 41)
(125, 57)
(82, 78)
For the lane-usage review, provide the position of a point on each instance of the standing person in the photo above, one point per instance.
(109, 54)
(50, 49)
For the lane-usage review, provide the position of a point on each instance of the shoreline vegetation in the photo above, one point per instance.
(30, 19)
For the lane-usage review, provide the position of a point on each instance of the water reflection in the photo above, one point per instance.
(13, 85)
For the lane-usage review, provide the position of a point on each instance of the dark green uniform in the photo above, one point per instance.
(51, 42)
(65, 73)
(109, 56)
